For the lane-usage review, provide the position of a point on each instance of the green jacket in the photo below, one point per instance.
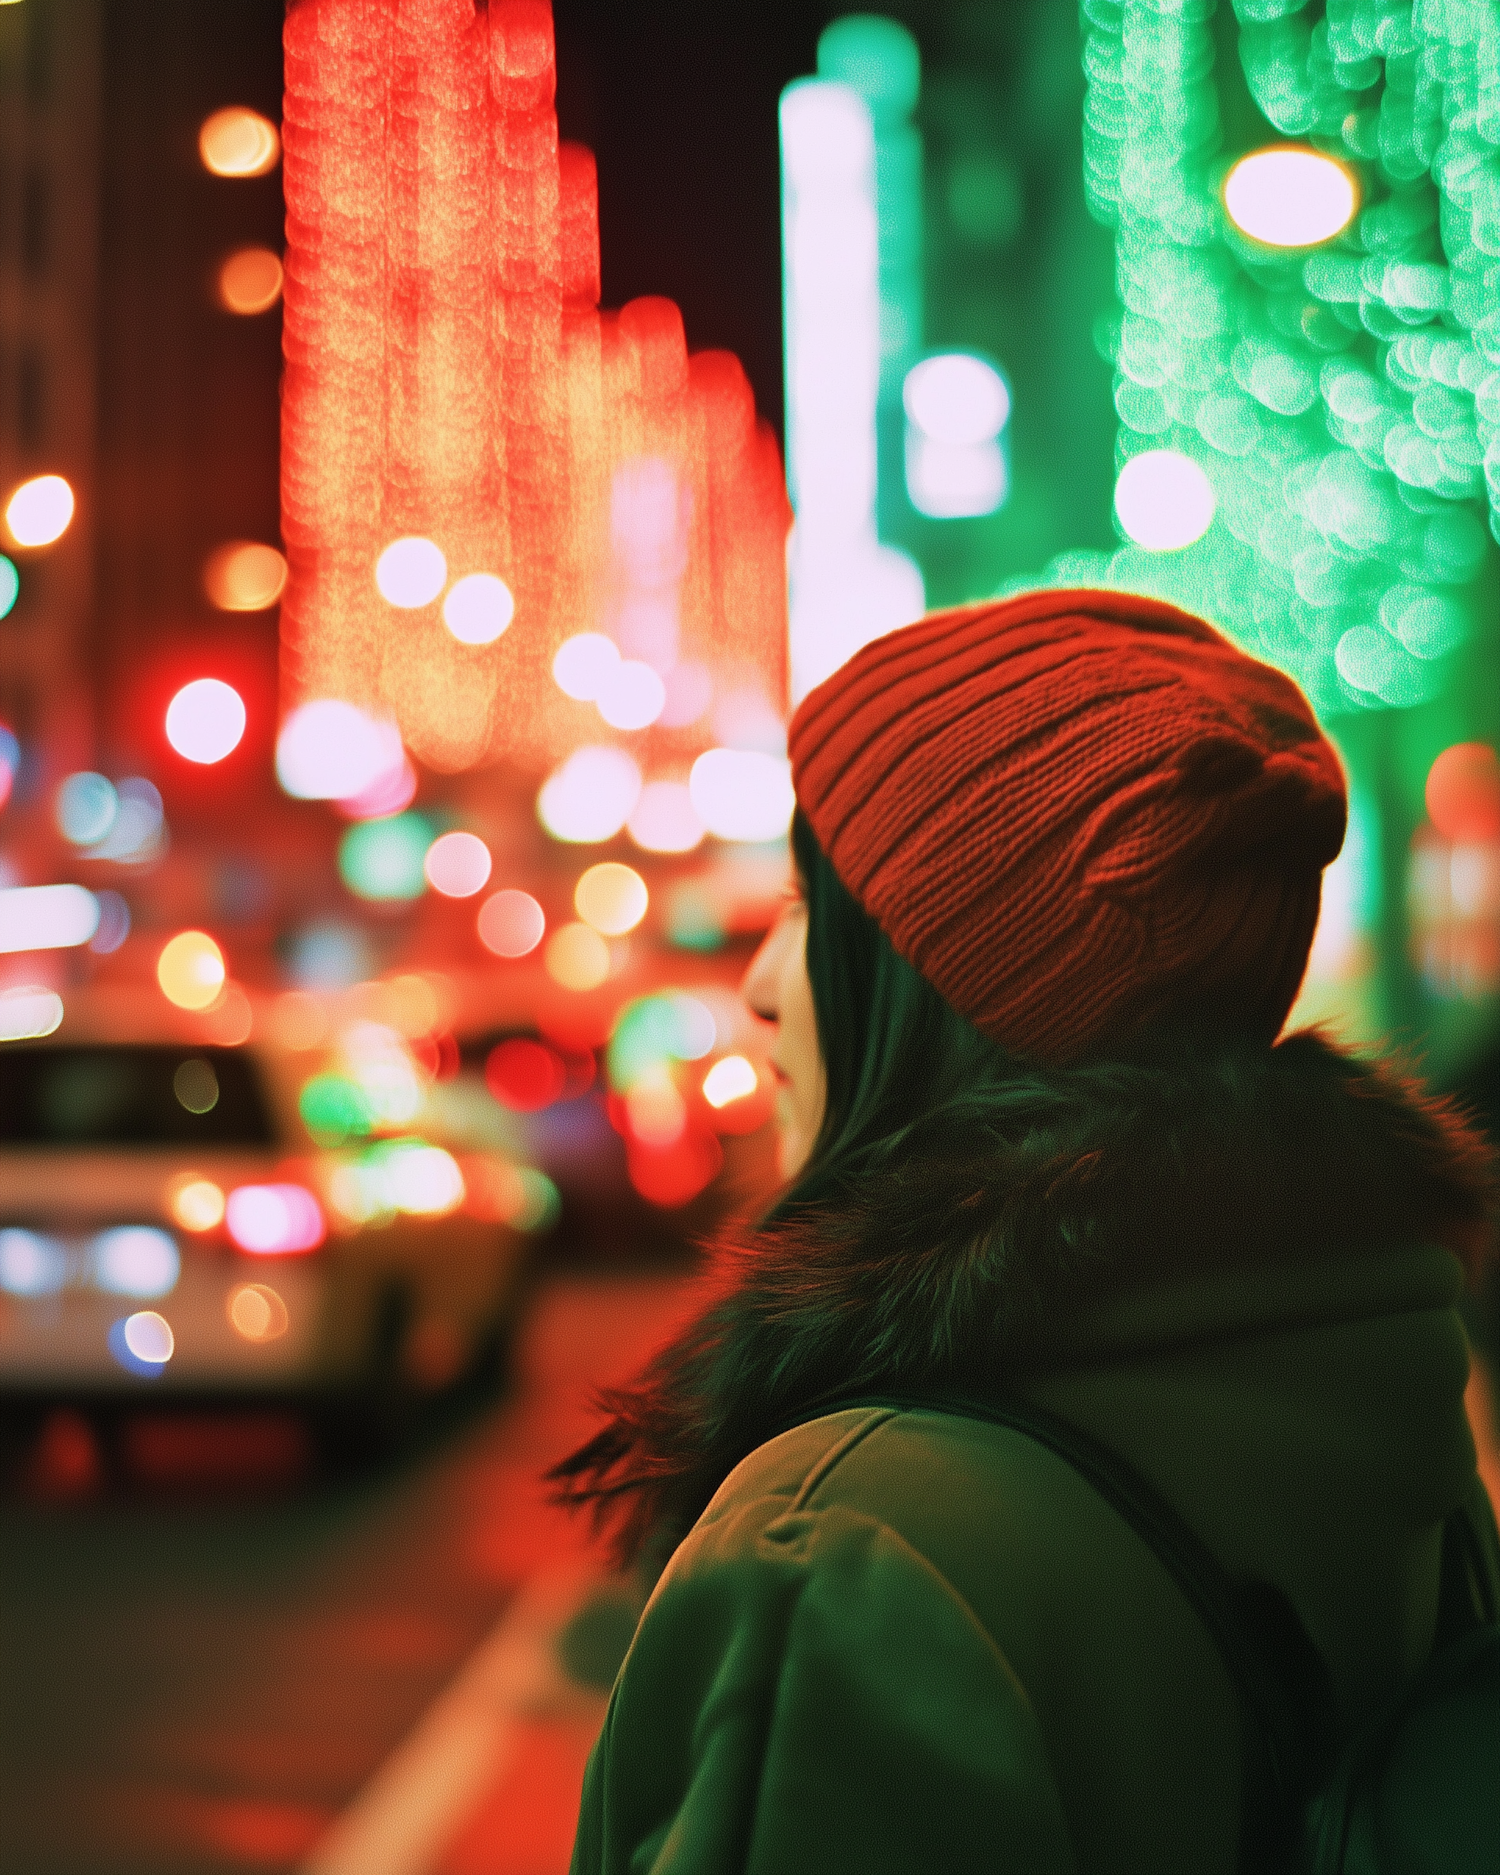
(908, 1641)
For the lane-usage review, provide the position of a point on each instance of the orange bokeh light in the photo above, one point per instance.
(190, 970)
(250, 281)
(239, 142)
(244, 576)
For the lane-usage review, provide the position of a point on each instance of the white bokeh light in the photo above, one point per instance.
(632, 697)
(845, 588)
(664, 819)
(590, 797)
(1164, 500)
(740, 794)
(956, 398)
(411, 572)
(206, 720)
(478, 608)
(584, 665)
(457, 865)
(1290, 197)
(329, 750)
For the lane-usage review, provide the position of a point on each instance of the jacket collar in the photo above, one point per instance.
(1193, 1191)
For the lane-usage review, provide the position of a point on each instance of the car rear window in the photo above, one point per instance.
(131, 1095)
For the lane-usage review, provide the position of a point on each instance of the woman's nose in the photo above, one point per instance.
(758, 985)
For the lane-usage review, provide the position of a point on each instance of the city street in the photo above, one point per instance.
(199, 1687)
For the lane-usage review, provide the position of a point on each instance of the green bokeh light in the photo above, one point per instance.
(541, 1203)
(382, 859)
(10, 584)
(653, 1031)
(1344, 401)
(334, 1109)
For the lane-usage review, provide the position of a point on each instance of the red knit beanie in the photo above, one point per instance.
(1077, 814)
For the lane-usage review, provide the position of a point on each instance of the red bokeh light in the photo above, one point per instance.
(1463, 793)
(525, 1075)
(674, 1175)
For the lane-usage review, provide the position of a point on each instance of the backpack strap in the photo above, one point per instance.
(1279, 1675)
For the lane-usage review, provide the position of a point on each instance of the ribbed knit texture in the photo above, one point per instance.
(1077, 814)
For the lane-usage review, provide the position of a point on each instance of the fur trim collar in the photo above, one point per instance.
(952, 1257)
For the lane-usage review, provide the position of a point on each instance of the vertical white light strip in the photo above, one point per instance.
(845, 588)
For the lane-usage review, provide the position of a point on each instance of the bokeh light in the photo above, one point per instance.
(956, 406)
(655, 1111)
(31, 1264)
(197, 1204)
(1463, 793)
(674, 1174)
(27, 1012)
(206, 720)
(10, 761)
(584, 665)
(511, 923)
(10, 585)
(478, 608)
(144, 1337)
(664, 819)
(39, 511)
(250, 281)
(238, 142)
(196, 1085)
(137, 832)
(516, 1195)
(1164, 500)
(231, 1020)
(386, 859)
(742, 794)
(274, 1220)
(730, 1079)
(525, 1075)
(329, 750)
(611, 897)
(652, 1031)
(425, 1181)
(576, 957)
(389, 793)
(457, 865)
(135, 1260)
(114, 923)
(257, 1312)
(411, 572)
(955, 397)
(191, 970)
(46, 917)
(85, 807)
(590, 797)
(1290, 197)
(244, 576)
(632, 697)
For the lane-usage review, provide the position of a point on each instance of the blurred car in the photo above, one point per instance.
(180, 1218)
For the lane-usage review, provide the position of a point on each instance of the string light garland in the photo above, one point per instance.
(1343, 399)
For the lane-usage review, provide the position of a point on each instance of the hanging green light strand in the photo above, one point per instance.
(1344, 402)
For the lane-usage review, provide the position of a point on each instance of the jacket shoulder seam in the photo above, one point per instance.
(840, 1450)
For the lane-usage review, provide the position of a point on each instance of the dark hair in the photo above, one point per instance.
(896, 1054)
(904, 1071)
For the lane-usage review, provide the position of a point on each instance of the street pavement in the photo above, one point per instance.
(207, 1687)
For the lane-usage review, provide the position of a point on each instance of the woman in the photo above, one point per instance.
(1060, 862)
